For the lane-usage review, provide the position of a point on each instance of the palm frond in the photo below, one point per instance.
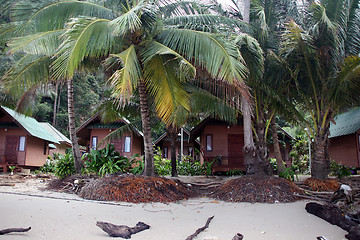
(44, 43)
(152, 48)
(203, 101)
(179, 8)
(211, 52)
(29, 71)
(126, 79)
(164, 84)
(84, 37)
(54, 15)
(130, 21)
(207, 21)
(347, 84)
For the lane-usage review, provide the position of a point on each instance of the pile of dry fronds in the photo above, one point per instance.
(328, 185)
(135, 189)
(262, 189)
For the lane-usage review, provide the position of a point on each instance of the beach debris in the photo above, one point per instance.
(199, 230)
(263, 189)
(344, 192)
(122, 231)
(136, 189)
(334, 216)
(321, 238)
(322, 185)
(238, 236)
(11, 230)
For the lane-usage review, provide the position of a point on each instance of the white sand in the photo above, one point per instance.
(74, 218)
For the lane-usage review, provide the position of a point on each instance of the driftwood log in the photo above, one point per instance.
(199, 230)
(10, 230)
(334, 216)
(121, 230)
(238, 236)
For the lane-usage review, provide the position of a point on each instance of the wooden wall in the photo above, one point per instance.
(345, 149)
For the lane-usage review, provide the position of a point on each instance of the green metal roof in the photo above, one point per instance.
(30, 125)
(346, 123)
(105, 125)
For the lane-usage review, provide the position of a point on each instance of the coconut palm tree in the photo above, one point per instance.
(143, 54)
(324, 75)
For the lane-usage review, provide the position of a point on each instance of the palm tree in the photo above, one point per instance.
(142, 54)
(324, 75)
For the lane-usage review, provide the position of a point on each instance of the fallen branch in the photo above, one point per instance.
(334, 216)
(10, 230)
(121, 230)
(199, 230)
(7, 184)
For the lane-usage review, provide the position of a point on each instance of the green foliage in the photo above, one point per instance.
(108, 160)
(339, 170)
(273, 164)
(234, 172)
(300, 153)
(50, 165)
(288, 174)
(64, 165)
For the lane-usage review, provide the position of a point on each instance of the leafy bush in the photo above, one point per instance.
(300, 153)
(108, 160)
(339, 170)
(64, 165)
(234, 172)
(288, 174)
(50, 164)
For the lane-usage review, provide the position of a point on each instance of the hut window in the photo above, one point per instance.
(94, 142)
(190, 149)
(209, 142)
(45, 147)
(127, 144)
(165, 155)
(22, 144)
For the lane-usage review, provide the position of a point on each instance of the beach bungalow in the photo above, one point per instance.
(93, 131)
(64, 142)
(345, 138)
(23, 140)
(224, 143)
(190, 148)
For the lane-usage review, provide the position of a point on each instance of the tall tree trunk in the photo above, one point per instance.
(145, 119)
(55, 103)
(72, 129)
(173, 136)
(250, 156)
(276, 146)
(320, 166)
(260, 144)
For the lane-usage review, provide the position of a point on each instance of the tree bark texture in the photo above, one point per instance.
(276, 146)
(250, 155)
(55, 104)
(145, 119)
(72, 130)
(11, 230)
(320, 166)
(173, 136)
(260, 143)
(121, 230)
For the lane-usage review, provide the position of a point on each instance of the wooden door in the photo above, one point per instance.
(118, 144)
(236, 155)
(11, 149)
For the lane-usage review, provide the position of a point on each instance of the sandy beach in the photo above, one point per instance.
(55, 215)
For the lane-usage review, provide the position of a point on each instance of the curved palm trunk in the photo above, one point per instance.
(145, 119)
(276, 146)
(72, 130)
